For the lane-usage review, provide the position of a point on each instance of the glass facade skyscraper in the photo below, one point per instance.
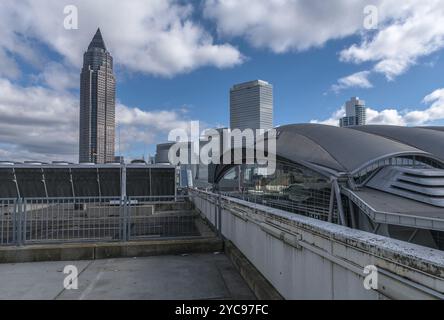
(355, 113)
(97, 104)
(251, 105)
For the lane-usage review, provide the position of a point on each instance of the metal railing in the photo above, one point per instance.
(61, 220)
(8, 225)
(167, 222)
(316, 206)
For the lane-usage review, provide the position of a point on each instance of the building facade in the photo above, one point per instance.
(251, 105)
(355, 113)
(97, 104)
(391, 187)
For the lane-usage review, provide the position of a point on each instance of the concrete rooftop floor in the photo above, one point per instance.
(189, 277)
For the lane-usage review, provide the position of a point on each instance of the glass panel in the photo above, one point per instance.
(291, 188)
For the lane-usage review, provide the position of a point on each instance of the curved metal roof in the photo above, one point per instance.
(427, 139)
(334, 148)
(434, 128)
(340, 149)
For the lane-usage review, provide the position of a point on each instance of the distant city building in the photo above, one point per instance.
(138, 161)
(162, 151)
(251, 105)
(355, 113)
(97, 104)
(119, 159)
(151, 159)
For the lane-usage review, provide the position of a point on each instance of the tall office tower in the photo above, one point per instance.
(251, 105)
(97, 104)
(355, 113)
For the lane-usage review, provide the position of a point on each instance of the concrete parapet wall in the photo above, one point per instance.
(261, 287)
(72, 252)
(305, 258)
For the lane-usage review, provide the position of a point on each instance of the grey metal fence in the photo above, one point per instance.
(60, 220)
(166, 223)
(8, 226)
(65, 220)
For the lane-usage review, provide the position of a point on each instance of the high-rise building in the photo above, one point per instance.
(97, 104)
(355, 113)
(251, 105)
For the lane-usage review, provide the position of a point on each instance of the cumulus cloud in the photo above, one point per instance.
(334, 119)
(58, 77)
(285, 25)
(37, 121)
(8, 66)
(160, 120)
(155, 37)
(40, 123)
(137, 126)
(356, 80)
(433, 112)
(387, 117)
(407, 30)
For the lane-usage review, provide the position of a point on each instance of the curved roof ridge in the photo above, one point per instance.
(342, 150)
(422, 138)
(315, 142)
(343, 145)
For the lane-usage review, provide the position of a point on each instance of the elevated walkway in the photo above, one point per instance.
(382, 207)
(306, 258)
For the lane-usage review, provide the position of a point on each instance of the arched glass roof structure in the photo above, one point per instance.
(434, 128)
(429, 140)
(341, 150)
(367, 177)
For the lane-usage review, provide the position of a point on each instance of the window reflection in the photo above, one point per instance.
(291, 187)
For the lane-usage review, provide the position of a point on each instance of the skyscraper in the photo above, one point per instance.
(97, 104)
(251, 105)
(355, 113)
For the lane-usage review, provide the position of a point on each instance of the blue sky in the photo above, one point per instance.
(301, 83)
(175, 61)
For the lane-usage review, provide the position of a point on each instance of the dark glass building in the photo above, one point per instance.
(97, 104)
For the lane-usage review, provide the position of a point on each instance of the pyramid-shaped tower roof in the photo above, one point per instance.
(97, 41)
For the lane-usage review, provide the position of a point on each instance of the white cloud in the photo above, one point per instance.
(136, 126)
(39, 123)
(159, 120)
(409, 30)
(334, 119)
(285, 25)
(58, 77)
(387, 117)
(8, 67)
(156, 37)
(434, 112)
(356, 80)
(36, 121)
